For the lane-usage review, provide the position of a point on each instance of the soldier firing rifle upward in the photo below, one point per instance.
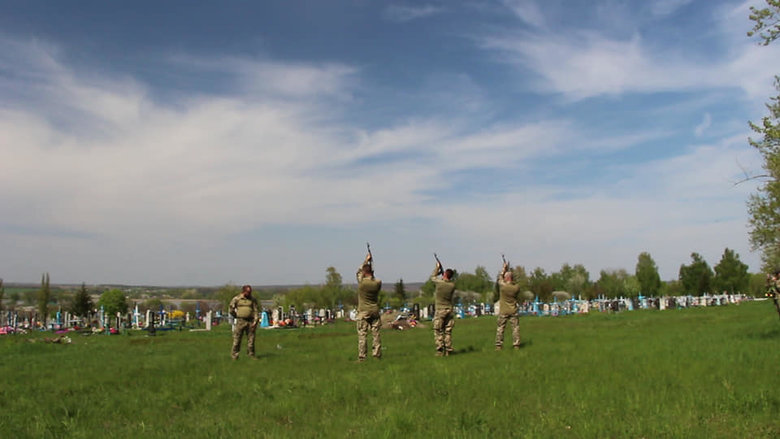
(444, 317)
(509, 294)
(368, 317)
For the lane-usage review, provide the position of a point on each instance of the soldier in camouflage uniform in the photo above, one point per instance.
(368, 316)
(773, 289)
(444, 318)
(509, 293)
(244, 309)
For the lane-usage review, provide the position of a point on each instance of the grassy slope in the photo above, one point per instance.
(690, 373)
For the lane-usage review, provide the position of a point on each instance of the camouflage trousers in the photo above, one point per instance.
(243, 326)
(366, 321)
(443, 321)
(501, 325)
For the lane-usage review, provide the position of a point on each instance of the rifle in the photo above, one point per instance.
(371, 257)
(441, 267)
(505, 267)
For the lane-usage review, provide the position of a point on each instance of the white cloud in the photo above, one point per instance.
(703, 126)
(667, 7)
(584, 63)
(273, 79)
(403, 13)
(170, 186)
(670, 207)
(527, 11)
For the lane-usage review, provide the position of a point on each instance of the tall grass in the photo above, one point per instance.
(704, 372)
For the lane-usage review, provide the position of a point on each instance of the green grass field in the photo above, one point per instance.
(705, 372)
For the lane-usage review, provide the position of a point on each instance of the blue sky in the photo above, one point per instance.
(200, 143)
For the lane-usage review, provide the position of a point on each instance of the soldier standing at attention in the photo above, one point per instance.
(368, 316)
(244, 309)
(444, 318)
(507, 307)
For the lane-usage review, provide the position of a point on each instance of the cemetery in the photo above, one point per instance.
(695, 371)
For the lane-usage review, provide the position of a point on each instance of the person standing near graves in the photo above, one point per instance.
(773, 289)
(509, 293)
(443, 318)
(246, 313)
(368, 316)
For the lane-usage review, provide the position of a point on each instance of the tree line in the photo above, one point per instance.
(729, 275)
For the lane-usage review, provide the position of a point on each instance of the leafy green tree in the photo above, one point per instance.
(731, 274)
(44, 295)
(190, 294)
(155, 304)
(278, 299)
(559, 279)
(647, 275)
(188, 307)
(757, 284)
(540, 284)
(347, 297)
(573, 279)
(330, 292)
(767, 22)
(696, 278)
(520, 277)
(81, 305)
(226, 293)
(764, 206)
(478, 282)
(631, 286)
(616, 283)
(427, 289)
(467, 282)
(671, 288)
(485, 281)
(594, 291)
(608, 284)
(30, 297)
(113, 301)
(400, 291)
(305, 297)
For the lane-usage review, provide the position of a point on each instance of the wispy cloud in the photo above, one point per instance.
(583, 62)
(96, 165)
(273, 79)
(527, 11)
(703, 126)
(667, 7)
(625, 217)
(404, 13)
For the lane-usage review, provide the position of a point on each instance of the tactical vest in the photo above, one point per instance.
(368, 295)
(508, 298)
(244, 308)
(444, 292)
